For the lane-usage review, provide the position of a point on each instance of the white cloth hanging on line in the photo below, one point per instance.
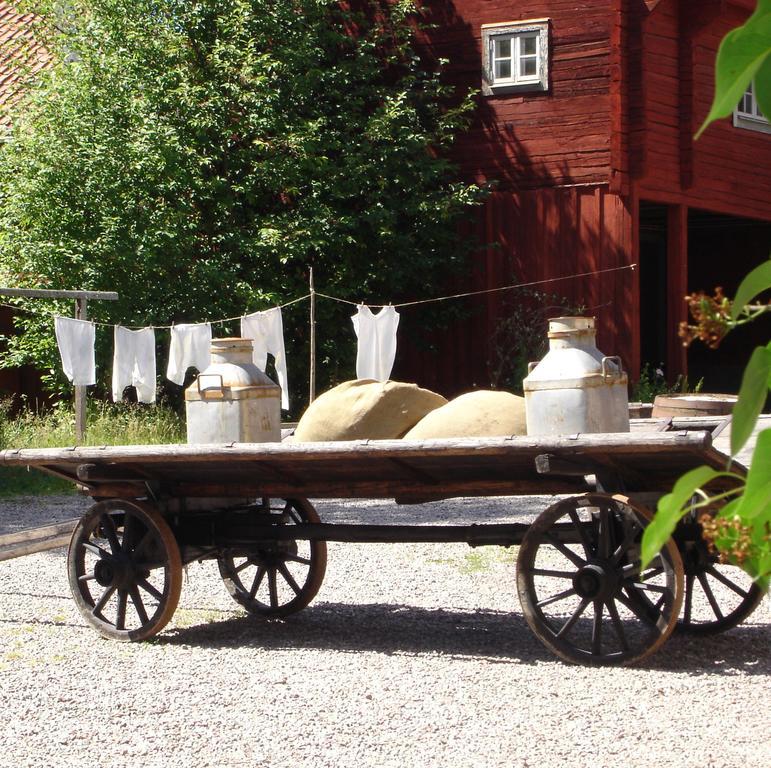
(75, 339)
(266, 330)
(376, 349)
(190, 346)
(133, 363)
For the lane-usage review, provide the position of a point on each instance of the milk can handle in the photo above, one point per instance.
(531, 366)
(608, 374)
(214, 390)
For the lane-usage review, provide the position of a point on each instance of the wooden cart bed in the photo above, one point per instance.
(405, 470)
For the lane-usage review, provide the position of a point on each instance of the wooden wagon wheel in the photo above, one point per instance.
(718, 595)
(277, 578)
(125, 570)
(580, 585)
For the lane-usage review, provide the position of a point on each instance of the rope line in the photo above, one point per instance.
(358, 303)
(154, 327)
(485, 291)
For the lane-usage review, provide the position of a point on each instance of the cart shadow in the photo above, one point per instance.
(496, 636)
(379, 628)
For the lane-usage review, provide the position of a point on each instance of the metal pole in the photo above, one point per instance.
(80, 392)
(313, 341)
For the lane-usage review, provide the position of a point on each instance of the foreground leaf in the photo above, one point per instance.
(754, 284)
(752, 397)
(744, 54)
(670, 510)
(758, 484)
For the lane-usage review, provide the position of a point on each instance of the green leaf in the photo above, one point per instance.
(671, 508)
(752, 397)
(762, 87)
(754, 283)
(757, 492)
(743, 52)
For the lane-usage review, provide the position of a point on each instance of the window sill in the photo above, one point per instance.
(503, 89)
(751, 124)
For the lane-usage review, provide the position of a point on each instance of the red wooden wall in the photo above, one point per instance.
(534, 139)
(631, 81)
(542, 234)
(727, 170)
(17, 381)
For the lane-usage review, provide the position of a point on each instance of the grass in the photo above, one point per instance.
(106, 424)
(31, 482)
(480, 560)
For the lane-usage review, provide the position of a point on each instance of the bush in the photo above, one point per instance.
(198, 157)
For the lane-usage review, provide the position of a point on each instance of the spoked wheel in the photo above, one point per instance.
(277, 578)
(718, 596)
(580, 585)
(125, 570)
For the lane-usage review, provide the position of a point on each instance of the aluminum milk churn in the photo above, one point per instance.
(575, 388)
(233, 400)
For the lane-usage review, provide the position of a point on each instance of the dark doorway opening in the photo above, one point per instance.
(721, 251)
(653, 286)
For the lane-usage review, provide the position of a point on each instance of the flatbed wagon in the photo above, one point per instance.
(581, 588)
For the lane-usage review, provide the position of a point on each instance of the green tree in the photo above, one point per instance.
(198, 156)
(740, 529)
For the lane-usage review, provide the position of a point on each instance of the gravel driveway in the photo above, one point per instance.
(411, 655)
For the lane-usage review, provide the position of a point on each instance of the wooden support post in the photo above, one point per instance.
(81, 298)
(81, 313)
(312, 393)
(677, 282)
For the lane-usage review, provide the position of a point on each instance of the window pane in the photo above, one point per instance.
(503, 48)
(502, 69)
(528, 46)
(527, 67)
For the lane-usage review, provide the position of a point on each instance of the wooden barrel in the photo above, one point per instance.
(695, 404)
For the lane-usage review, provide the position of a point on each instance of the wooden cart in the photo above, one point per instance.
(246, 506)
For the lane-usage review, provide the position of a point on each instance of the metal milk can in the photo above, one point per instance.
(233, 400)
(575, 388)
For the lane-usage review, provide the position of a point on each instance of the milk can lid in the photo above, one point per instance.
(570, 324)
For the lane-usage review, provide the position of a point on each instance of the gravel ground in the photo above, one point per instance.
(411, 655)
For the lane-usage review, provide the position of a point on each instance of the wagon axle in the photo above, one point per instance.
(595, 582)
(117, 571)
(473, 535)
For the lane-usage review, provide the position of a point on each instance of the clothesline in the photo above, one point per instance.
(307, 296)
(481, 292)
(211, 322)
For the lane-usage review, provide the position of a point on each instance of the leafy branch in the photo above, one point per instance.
(740, 528)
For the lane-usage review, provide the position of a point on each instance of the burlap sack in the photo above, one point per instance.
(483, 413)
(366, 409)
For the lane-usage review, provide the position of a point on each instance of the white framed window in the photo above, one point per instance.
(515, 56)
(748, 115)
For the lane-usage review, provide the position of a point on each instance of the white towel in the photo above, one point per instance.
(266, 330)
(75, 339)
(190, 346)
(133, 363)
(376, 350)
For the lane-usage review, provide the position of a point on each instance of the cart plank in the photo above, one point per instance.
(642, 461)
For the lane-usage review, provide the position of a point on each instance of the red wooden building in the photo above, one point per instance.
(586, 122)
